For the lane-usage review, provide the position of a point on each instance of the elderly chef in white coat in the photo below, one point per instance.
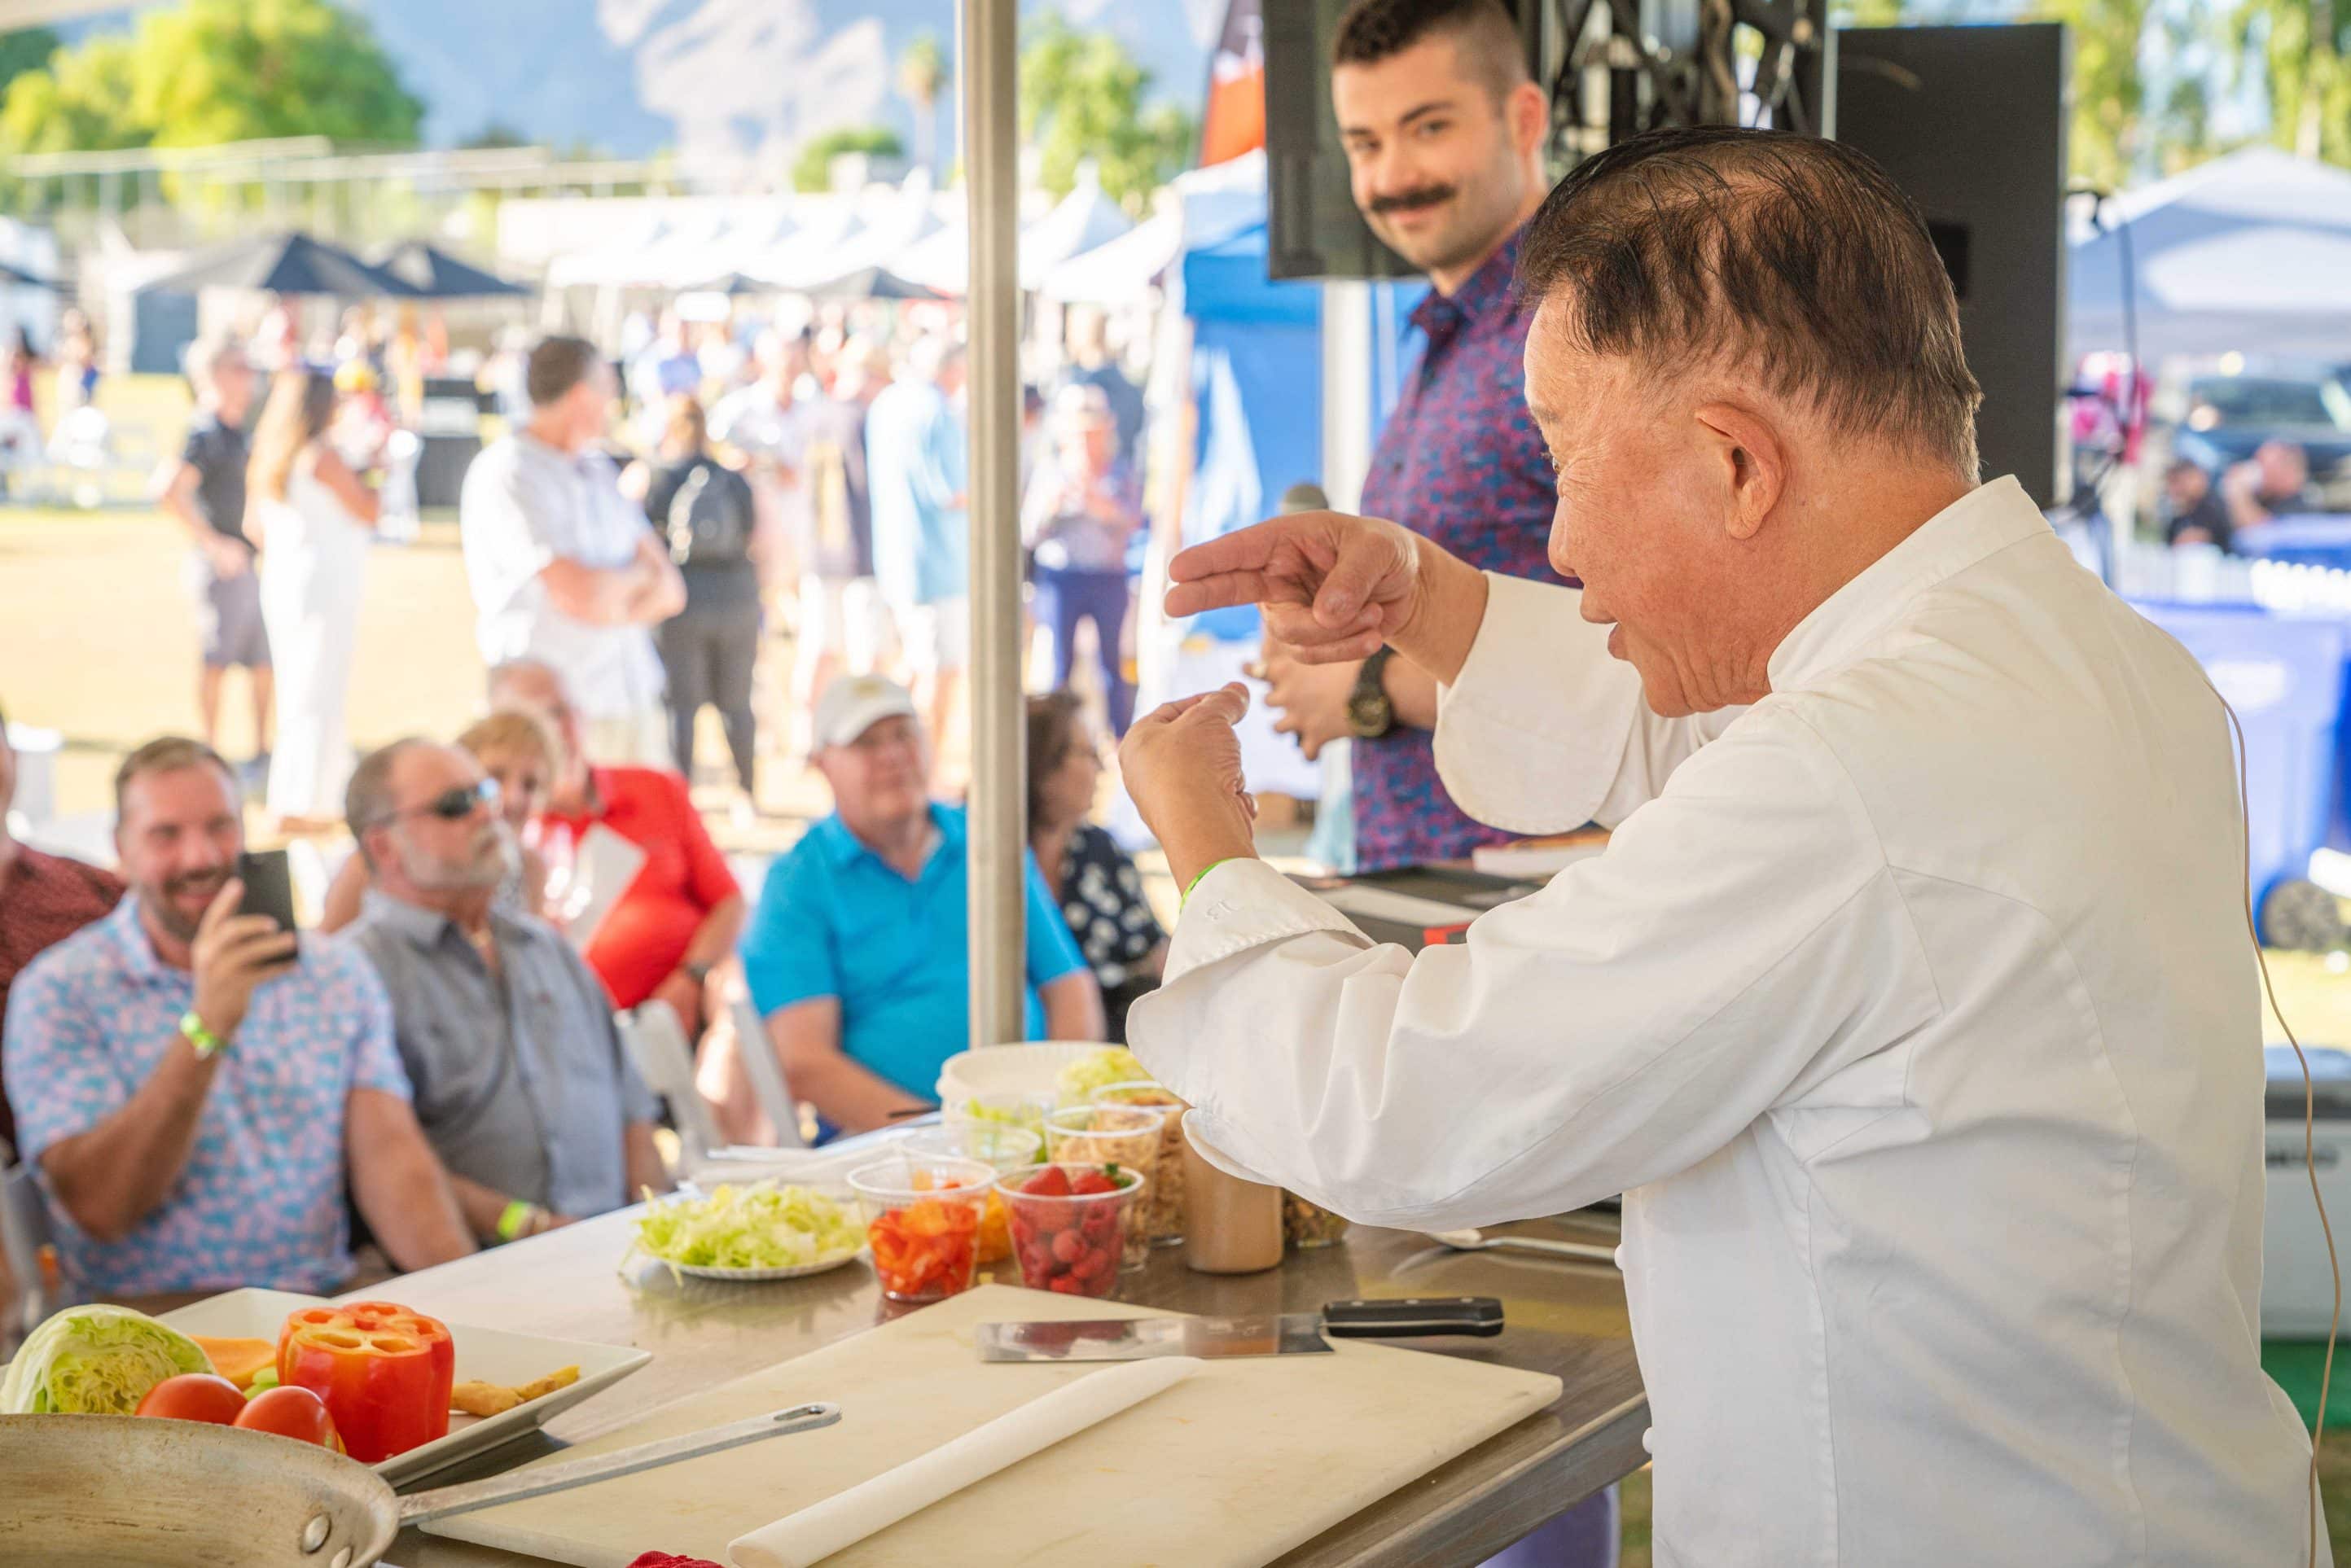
(1911, 1005)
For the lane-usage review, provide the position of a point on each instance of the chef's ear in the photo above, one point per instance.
(1754, 467)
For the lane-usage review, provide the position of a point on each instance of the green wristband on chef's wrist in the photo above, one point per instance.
(1200, 879)
(514, 1218)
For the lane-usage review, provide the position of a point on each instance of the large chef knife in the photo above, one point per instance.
(1262, 1334)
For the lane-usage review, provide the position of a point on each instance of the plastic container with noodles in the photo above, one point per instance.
(1165, 1216)
(1306, 1225)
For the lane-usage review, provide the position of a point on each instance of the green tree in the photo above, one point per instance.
(2303, 48)
(1082, 98)
(494, 136)
(812, 170)
(922, 77)
(212, 71)
(25, 49)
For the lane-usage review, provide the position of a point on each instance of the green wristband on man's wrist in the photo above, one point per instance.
(515, 1218)
(1202, 878)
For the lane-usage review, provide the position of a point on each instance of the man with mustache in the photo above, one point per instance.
(191, 1083)
(1443, 130)
(520, 1078)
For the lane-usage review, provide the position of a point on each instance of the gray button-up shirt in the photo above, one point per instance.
(520, 1078)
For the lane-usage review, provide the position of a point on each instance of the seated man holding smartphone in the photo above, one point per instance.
(505, 1034)
(192, 1081)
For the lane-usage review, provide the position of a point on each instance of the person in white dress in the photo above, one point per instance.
(312, 519)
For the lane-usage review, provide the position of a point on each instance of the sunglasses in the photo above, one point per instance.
(454, 803)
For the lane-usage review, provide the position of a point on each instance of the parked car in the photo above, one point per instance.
(2216, 412)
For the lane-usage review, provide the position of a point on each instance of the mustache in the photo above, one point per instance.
(1412, 200)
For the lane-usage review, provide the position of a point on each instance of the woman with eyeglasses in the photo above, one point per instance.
(1091, 877)
(312, 519)
(518, 754)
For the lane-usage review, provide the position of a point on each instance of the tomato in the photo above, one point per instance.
(195, 1396)
(294, 1413)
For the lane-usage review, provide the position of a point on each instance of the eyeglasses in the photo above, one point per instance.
(454, 803)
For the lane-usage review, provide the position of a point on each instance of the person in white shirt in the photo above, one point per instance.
(1906, 1005)
(564, 568)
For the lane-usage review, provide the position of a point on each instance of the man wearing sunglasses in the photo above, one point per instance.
(519, 1076)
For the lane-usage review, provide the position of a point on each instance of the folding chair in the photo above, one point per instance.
(25, 1241)
(656, 1043)
(766, 1075)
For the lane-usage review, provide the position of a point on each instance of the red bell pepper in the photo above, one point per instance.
(385, 1372)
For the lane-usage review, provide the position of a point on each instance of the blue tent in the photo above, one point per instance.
(1256, 378)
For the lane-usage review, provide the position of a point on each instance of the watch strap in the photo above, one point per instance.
(193, 1030)
(1371, 693)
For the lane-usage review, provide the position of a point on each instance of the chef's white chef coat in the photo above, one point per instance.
(1912, 1011)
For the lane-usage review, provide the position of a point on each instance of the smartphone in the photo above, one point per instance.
(268, 886)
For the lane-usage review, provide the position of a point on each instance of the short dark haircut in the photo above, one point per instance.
(167, 754)
(1372, 30)
(555, 365)
(1798, 256)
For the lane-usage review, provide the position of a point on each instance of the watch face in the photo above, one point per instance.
(1368, 712)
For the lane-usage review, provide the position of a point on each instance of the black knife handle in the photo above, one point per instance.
(1415, 1317)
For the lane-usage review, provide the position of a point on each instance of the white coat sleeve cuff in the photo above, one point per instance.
(1532, 735)
(1243, 904)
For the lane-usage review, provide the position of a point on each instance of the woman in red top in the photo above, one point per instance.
(681, 913)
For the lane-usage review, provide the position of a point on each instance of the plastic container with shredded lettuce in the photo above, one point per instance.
(96, 1361)
(1111, 1064)
(761, 1231)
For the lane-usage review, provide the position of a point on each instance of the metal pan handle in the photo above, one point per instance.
(442, 1503)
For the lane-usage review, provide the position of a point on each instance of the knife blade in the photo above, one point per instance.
(1257, 1333)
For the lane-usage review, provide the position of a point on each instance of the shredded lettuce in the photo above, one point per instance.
(96, 1361)
(761, 1226)
(1098, 1070)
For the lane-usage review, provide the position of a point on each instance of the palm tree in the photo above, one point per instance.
(922, 76)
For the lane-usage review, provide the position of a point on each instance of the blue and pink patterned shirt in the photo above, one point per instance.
(260, 1201)
(1461, 462)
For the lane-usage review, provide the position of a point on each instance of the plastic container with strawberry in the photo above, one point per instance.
(1069, 1224)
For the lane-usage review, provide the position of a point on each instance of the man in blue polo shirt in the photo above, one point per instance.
(858, 954)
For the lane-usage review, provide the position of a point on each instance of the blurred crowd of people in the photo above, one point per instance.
(634, 543)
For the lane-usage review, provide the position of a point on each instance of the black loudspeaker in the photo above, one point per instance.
(1313, 227)
(1970, 122)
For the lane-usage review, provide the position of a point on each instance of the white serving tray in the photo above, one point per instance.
(484, 1355)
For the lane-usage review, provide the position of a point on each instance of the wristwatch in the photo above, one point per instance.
(207, 1044)
(1370, 714)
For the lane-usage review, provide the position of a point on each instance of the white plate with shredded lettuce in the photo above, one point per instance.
(749, 1233)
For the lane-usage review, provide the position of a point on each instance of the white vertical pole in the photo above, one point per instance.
(988, 65)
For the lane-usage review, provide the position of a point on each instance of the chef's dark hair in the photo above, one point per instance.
(1371, 31)
(1795, 256)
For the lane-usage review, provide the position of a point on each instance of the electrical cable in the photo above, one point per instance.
(2309, 1123)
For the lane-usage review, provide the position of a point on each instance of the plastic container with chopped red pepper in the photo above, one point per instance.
(1069, 1224)
(922, 1217)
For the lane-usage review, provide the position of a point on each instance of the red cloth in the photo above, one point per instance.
(645, 934)
(44, 899)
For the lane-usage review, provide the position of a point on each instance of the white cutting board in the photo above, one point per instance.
(1228, 1469)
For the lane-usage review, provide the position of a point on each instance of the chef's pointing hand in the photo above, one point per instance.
(1182, 764)
(1335, 587)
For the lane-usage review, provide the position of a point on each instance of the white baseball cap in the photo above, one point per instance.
(853, 704)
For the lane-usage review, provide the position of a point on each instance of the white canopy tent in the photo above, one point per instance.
(2250, 252)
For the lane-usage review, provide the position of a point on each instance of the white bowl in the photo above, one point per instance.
(1033, 1067)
